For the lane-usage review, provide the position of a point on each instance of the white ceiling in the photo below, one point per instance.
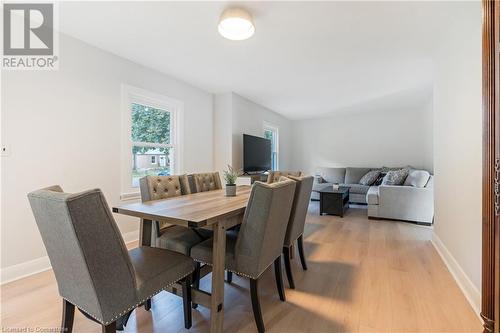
(305, 59)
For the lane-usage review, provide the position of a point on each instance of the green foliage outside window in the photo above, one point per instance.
(150, 125)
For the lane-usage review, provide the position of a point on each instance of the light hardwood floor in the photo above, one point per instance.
(364, 276)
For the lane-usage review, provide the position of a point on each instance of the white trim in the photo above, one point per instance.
(42, 264)
(275, 129)
(470, 291)
(130, 196)
(129, 95)
(25, 269)
(131, 236)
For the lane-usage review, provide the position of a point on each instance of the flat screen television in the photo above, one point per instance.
(256, 154)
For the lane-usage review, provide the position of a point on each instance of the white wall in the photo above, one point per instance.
(375, 134)
(223, 131)
(235, 116)
(63, 127)
(249, 118)
(457, 150)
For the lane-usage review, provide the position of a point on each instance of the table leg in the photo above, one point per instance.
(145, 230)
(218, 267)
(320, 204)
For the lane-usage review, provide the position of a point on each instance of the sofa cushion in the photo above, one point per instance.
(353, 175)
(372, 195)
(417, 178)
(395, 177)
(370, 177)
(356, 188)
(320, 186)
(332, 175)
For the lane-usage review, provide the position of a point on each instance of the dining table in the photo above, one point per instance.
(206, 210)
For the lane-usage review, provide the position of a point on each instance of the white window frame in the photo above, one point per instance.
(131, 95)
(275, 129)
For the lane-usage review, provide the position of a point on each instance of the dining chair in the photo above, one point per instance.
(203, 182)
(207, 181)
(274, 176)
(94, 271)
(171, 237)
(295, 228)
(259, 242)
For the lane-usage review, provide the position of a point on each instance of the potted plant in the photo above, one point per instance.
(230, 176)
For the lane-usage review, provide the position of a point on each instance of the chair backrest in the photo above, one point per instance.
(87, 253)
(207, 181)
(262, 232)
(301, 200)
(163, 187)
(274, 176)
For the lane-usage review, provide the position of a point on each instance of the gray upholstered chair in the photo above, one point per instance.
(171, 237)
(295, 229)
(207, 181)
(93, 269)
(274, 176)
(259, 242)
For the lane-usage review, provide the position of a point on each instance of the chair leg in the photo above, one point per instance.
(229, 277)
(186, 301)
(147, 305)
(300, 245)
(256, 306)
(122, 321)
(110, 328)
(288, 268)
(196, 280)
(279, 278)
(68, 316)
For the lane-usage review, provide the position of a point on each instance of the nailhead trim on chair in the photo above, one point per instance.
(236, 272)
(131, 307)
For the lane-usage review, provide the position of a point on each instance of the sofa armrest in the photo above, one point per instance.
(403, 194)
(407, 203)
(318, 179)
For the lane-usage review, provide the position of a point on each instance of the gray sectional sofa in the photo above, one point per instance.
(406, 202)
(349, 177)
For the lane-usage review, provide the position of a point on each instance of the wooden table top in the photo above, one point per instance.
(193, 210)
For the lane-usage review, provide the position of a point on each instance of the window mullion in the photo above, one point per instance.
(151, 144)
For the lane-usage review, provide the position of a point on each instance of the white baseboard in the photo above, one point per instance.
(131, 236)
(25, 269)
(471, 292)
(19, 271)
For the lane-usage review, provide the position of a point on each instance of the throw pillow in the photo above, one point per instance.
(395, 177)
(370, 177)
(417, 178)
(380, 178)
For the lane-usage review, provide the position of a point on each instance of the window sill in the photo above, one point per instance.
(130, 196)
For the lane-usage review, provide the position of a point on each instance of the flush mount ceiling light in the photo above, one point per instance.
(236, 24)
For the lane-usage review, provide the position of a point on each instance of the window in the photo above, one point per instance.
(151, 135)
(271, 133)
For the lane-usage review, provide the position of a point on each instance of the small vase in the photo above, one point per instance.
(230, 190)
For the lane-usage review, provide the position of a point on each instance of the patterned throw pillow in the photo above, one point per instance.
(380, 179)
(395, 177)
(370, 177)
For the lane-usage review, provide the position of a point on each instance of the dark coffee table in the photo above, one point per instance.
(334, 202)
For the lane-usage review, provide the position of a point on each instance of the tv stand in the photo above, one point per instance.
(254, 173)
(249, 179)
